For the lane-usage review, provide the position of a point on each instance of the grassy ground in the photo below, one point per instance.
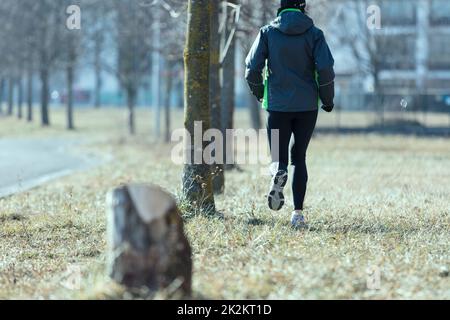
(373, 202)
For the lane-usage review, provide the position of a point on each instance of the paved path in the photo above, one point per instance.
(26, 163)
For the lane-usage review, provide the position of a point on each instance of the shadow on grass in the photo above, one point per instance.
(332, 227)
(362, 228)
(216, 215)
(12, 217)
(408, 128)
(259, 222)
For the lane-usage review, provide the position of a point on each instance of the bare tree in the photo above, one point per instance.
(96, 14)
(365, 45)
(19, 96)
(71, 50)
(215, 91)
(134, 48)
(71, 56)
(172, 25)
(30, 55)
(2, 93)
(11, 85)
(30, 73)
(228, 44)
(197, 183)
(167, 105)
(49, 25)
(252, 21)
(10, 48)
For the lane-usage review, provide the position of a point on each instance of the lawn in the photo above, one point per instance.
(374, 202)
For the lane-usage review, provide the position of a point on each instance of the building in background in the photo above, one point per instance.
(408, 57)
(416, 46)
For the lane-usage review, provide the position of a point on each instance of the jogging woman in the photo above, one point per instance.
(288, 68)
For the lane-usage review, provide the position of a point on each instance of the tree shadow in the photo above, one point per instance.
(407, 128)
(362, 228)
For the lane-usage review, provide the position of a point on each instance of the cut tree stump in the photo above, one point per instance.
(147, 244)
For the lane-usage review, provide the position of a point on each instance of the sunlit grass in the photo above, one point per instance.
(372, 202)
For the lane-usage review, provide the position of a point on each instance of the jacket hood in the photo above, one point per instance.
(292, 22)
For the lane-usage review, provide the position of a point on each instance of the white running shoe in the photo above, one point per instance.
(298, 220)
(276, 198)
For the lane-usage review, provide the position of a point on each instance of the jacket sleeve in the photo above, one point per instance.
(255, 63)
(325, 68)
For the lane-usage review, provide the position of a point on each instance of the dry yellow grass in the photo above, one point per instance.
(378, 202)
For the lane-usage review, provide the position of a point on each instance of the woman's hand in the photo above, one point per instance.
(327, 108)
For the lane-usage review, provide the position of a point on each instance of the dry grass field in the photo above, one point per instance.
(374, 202)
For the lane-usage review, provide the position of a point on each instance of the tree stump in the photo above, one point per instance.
(147, 244)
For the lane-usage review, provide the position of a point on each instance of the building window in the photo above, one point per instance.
(439, 56)
(397, 52)
(440, 12)
(398, 12)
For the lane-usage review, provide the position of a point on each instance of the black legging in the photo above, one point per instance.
(301, 125)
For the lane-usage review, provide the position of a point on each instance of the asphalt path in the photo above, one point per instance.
(29, 162)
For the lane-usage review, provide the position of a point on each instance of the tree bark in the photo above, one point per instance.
(214, 92)
(197, 182)
(147, 245)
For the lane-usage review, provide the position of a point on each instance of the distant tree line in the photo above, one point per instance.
(37, 46)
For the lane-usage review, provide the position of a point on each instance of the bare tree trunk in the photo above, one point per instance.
(45, 121)
(10, 96)
(98, 89)
(98, 77)
(181, 92)
(266, 12)
(379, 100)
(70, 79)
(156, 65)
(19, 97)
(228, 99)
(2, 88)
(30, 95)
(214, 92)
(338, 116)
(424, 106)
(169, 85)
(197, 182)
(131, 101)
